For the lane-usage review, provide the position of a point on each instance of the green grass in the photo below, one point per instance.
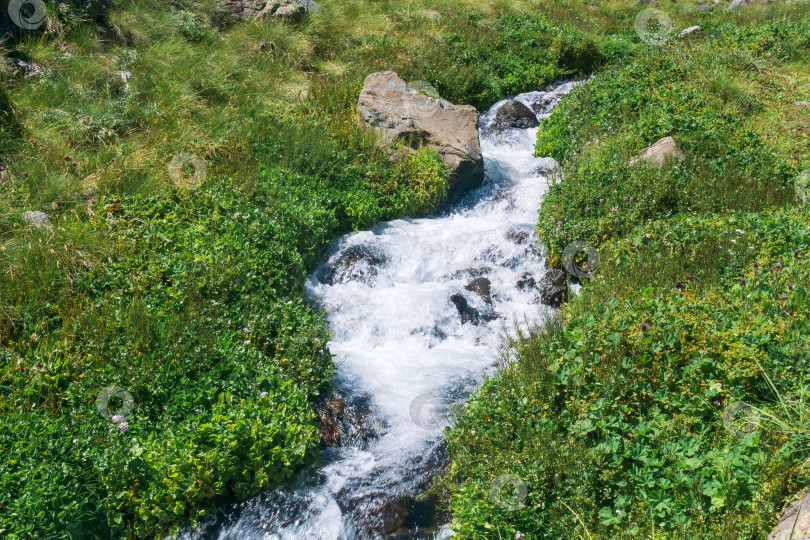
(611, 414)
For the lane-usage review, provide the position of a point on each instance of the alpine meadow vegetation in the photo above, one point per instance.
(668, 399)
(158, 354)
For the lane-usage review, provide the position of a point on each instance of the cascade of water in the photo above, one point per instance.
(396, 298)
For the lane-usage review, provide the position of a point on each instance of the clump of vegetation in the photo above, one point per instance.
(667, 399)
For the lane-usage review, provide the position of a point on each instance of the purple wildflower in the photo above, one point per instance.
(123, 426)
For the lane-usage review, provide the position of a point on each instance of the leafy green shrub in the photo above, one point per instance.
(482, 65)
(191, 26)
(602, 124)
(630, 394)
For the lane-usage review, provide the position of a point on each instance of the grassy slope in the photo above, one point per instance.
(192, 301)
(616, 428)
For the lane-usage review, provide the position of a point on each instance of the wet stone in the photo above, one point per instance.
(346, 423)
(518, 236)
(472, 272)
(467, 313)
(357, 263)
(392, 515)
(482, 287)
(553, 288)
(514, 115)
(526, 282)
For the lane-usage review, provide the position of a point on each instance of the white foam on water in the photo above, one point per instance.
(399, 338)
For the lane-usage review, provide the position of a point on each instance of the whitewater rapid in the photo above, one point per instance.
(403, 353)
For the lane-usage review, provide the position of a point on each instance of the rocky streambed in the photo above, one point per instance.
(418, 308)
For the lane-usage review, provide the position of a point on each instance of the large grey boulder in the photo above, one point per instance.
(514, 115)
(794, 521)
(737, 3)
(36, 219)
(403, 115)
(659, 152)
(692, 31)
(287, 9)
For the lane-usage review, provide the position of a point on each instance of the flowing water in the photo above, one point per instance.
(396, 297)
